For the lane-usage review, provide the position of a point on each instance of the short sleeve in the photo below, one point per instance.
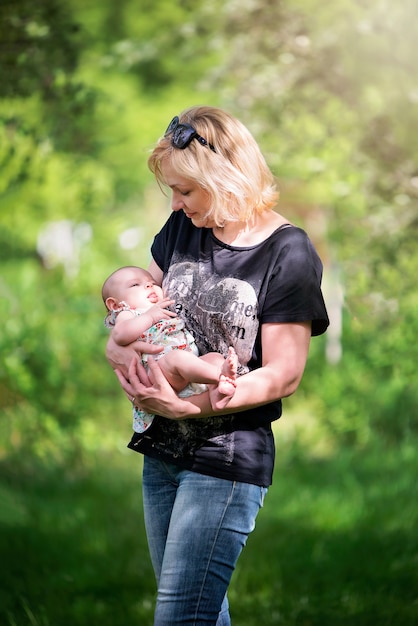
(294, 291)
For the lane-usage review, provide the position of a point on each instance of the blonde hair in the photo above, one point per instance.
(236, 175)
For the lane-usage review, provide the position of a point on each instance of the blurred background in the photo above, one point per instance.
(330, 91)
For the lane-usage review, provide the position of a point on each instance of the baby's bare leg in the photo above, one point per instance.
(181, 368)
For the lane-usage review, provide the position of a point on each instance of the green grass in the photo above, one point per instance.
(336, 542)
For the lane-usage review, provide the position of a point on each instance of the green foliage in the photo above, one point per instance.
(372, 390)
(329, 90)
(160, 44)
(39, 41)
(87, 88)
(39, 54)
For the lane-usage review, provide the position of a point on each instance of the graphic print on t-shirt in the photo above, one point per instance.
(219, 311)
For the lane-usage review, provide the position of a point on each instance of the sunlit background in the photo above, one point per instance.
(330, 91)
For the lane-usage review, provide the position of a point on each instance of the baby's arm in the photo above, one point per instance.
(129, 327)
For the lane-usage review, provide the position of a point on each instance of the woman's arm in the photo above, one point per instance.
(156, 272)
(285, 350)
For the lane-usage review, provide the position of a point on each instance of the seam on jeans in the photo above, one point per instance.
(167, 469)
(227, 504)
(169, 472)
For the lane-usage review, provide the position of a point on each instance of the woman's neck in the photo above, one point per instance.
(250, 233)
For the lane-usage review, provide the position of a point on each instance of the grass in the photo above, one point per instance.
(336, 543)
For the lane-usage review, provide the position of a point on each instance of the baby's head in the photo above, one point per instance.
(133, 286)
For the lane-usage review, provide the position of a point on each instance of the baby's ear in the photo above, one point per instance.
(111, 304)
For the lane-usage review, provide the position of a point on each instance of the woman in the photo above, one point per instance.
(240, 275)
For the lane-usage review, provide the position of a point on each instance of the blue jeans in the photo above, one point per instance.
(196, 528)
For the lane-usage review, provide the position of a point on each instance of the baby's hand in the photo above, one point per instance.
(161, 311)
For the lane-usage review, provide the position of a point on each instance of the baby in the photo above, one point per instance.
(138, 310)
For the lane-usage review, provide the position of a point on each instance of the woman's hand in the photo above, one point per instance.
(152, 393)
(120, 357)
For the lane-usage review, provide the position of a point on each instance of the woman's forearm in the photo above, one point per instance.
(285, 349)
(254, 389)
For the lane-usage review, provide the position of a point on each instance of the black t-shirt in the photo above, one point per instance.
(224, 293)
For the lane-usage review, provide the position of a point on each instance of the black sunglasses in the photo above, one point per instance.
(183, 135)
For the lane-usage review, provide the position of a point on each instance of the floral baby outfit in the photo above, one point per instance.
(171, 334)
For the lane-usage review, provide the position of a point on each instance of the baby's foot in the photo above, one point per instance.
(227, 384)
(221, 394)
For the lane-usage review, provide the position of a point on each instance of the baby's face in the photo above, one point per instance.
(137, 288)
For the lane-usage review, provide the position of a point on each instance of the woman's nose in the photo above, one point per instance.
(176, 203)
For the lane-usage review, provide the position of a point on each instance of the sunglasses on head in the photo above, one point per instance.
(183, 135)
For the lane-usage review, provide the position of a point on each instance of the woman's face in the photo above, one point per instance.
(188, 196)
